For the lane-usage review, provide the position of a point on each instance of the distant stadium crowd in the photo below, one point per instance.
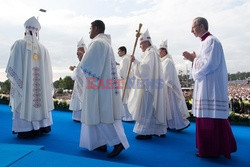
(238, 97)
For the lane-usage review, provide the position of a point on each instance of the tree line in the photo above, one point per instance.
(68, 83)
(59, 85)
(239, 76)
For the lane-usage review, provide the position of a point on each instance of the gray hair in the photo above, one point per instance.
(202, 20)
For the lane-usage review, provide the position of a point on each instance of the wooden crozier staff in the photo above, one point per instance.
(129, 68)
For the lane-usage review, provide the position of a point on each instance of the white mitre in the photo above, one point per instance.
(164, 45)
(81, 44)
(33, 25)
(145, 37)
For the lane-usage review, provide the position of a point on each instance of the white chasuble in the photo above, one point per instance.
(30, 73)
(100, 93)
(148, 78)
(172, 85)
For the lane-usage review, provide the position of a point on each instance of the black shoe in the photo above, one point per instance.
(37, 133)
(116, 151)
(183, 128)
(22, 135)
(101, 148)
(26, 135)
(161, 136)
(143, 137)
(214, 156)
(45, 129)
(171, 130)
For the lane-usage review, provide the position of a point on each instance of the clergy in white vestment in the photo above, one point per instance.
(176, 102)
(214, 135)
(122, 70)
(75, 104)
(30, 73)
(102, 108)
(146, 101)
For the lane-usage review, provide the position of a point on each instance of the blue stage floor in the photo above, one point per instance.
(61, 147)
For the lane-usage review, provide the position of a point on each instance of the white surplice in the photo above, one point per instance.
(211, 81)
(175, 101)
(30, 73)
(122, 70)
(146, 101)
(102, 106)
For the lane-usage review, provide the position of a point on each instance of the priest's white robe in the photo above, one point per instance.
(122, 72)
(75, 104)
(146, 101)
(99, 92)
(30, 73)
(174, 96)
(214, 135)
(211, 81)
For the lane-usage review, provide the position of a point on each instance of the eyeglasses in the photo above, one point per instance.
(195, 26)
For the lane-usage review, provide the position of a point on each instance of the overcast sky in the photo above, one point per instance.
(66, 22)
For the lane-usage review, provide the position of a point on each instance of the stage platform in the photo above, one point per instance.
(18, 155)
(61, 147)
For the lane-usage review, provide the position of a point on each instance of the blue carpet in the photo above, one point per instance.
(10, 153)
(46, 158)
(177, 149)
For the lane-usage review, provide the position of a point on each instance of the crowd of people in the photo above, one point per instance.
(153, 97)
(239, 97)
